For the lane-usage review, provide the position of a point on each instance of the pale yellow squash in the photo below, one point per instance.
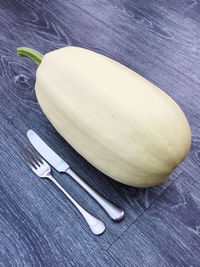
(122, 124)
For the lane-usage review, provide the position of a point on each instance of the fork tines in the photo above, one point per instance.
(32, 157)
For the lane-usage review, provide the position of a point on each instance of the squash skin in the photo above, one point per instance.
(122, 124)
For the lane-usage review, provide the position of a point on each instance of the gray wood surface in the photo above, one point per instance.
(38, 226)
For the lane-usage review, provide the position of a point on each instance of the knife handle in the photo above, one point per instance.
(113, 211)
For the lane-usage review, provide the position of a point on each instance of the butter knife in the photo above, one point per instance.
(113, 211)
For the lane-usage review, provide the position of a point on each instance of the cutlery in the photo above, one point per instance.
(113, 211)
(40, 167)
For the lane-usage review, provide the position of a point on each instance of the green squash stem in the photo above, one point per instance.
(30, 53)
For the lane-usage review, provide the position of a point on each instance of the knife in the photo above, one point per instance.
(114, 212)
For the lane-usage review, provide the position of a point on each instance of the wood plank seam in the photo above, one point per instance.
(151, 204)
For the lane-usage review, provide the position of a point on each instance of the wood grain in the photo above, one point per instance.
(168, 233)
(38, 227)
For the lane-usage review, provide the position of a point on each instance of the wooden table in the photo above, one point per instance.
(38, 226)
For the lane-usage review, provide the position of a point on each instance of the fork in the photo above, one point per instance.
(40, 167)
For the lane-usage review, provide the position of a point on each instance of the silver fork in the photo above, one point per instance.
(39, 166)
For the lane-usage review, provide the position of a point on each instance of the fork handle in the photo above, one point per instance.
(96, 225)
(114, 212)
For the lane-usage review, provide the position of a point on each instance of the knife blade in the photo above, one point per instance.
(57, 162)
